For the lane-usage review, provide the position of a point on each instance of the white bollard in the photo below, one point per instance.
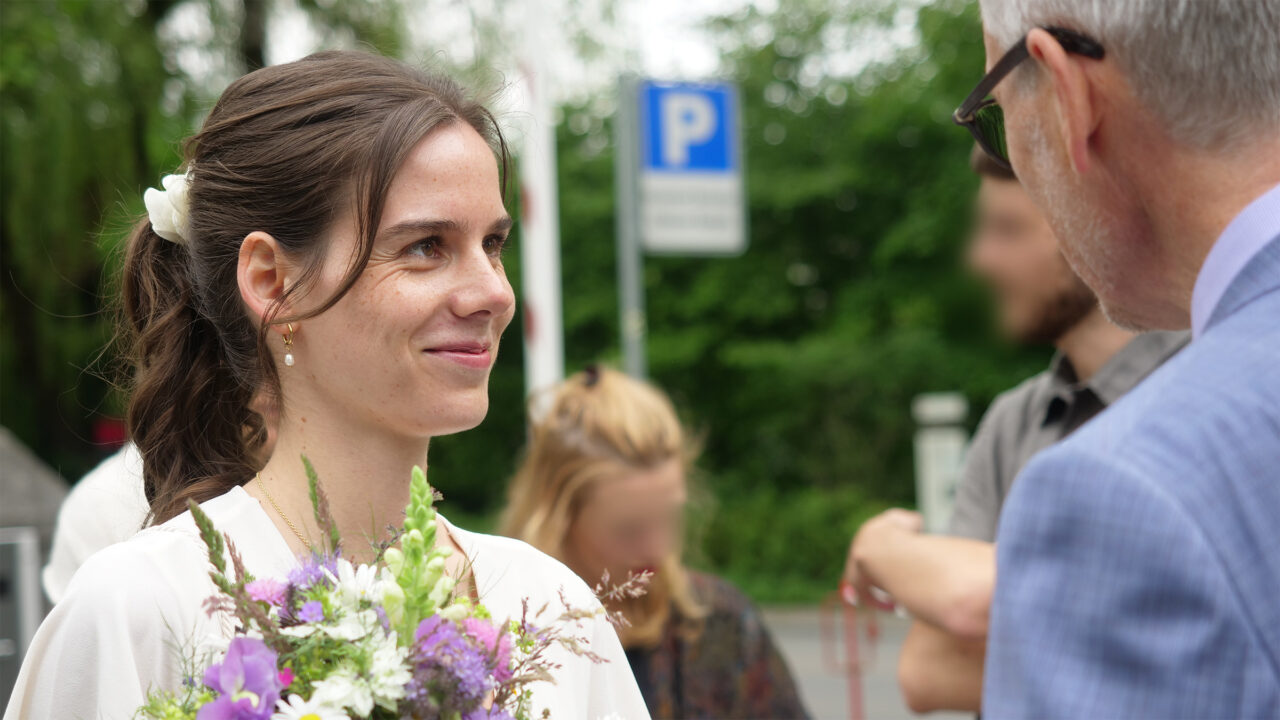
(940, 444)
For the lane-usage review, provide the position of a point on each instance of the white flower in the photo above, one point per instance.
(352, 625)
(356, 583)
(167, 209)
(299, 709)
(389, 671)
(344, 688)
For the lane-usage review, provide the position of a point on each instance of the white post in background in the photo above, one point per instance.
(940, 445)
(630, 255)
(539, 227)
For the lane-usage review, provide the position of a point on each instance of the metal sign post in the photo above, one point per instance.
(680, 187)
(630, 261)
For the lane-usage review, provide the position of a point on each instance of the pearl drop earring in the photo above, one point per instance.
(288, 345)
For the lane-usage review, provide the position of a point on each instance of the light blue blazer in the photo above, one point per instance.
(1139, 560)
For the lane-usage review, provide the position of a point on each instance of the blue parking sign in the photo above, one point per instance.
(688, 127)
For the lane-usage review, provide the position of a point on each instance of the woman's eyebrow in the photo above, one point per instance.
(427, 226)
(422, 226)
(501, 225)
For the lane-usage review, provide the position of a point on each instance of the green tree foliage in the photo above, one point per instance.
(797, 361)
(82, 125)
(94, 109)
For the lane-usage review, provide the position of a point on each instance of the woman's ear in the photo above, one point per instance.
(261, 272)
(1078, 113)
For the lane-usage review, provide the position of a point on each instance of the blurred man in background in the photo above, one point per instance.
(947, 583)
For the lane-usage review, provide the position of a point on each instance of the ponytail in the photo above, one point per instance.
(188, 412)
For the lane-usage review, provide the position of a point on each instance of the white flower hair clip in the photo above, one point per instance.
(167, 208)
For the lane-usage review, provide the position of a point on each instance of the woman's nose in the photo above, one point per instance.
(482, 287)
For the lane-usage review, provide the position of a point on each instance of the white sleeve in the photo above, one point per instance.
(112, 639)
(107, 506)
(614, 692)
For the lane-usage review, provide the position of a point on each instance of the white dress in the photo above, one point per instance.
(107, 506)
(135, 609)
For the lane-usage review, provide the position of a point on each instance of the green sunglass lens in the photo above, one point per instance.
(990, 122)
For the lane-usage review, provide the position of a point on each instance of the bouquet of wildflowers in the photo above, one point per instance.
(392, 639)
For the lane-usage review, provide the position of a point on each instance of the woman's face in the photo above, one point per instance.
(628, 523)
(411, 346)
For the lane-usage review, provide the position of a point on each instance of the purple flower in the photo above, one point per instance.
(311, 612)
(267, 590)
(311, 571)
(495, 642)
(452, 674)
(247, 683)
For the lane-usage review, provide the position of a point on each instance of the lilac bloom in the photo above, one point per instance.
(451, 672)
(311, 612)
(247, 683)
(311, 571)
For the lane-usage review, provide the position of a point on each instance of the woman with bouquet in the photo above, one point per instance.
(333, 250)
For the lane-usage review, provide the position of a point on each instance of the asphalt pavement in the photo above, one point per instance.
(816, 653)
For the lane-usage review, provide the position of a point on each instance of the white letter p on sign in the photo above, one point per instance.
(687, 119)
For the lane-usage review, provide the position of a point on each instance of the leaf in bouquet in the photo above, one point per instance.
(320, 505)
(212, 538)
(216, 545)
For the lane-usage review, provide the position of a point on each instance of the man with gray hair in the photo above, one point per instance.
(1139, 560)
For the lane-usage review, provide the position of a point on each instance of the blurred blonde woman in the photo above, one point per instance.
(602, 486)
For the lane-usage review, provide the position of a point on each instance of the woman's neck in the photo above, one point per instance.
(364, 472)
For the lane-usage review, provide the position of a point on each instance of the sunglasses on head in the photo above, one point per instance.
(980, 113)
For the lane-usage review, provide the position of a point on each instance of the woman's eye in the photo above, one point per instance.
(495, 245)
(426, 247)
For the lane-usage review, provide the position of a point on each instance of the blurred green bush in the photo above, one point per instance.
(797, 360)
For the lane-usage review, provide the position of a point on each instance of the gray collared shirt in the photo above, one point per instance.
(1038, 413)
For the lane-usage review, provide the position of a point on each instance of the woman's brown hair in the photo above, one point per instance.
(600, 425)
(285, 150)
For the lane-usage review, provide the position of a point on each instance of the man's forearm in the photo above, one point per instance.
(946, 581)
(938, 671)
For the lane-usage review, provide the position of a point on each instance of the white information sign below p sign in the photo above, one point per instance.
(691, 188)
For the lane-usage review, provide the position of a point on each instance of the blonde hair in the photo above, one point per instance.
(601, 424)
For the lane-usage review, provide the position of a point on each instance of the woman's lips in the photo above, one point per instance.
(470, 355)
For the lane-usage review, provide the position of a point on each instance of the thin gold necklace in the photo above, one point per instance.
(258, 479)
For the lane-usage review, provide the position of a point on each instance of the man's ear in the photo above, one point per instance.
(1078, 113)
(261, 272)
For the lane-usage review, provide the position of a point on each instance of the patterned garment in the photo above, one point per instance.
(731, 669)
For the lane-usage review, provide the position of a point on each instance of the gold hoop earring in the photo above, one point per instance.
(288, 345)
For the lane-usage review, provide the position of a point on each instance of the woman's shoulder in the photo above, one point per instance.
(501, 562)
(142, 574)
(164, 563)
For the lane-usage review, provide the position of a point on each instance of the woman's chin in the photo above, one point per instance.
(460, 419)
